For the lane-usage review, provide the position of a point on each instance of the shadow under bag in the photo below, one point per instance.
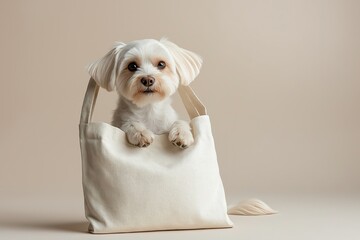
(161, 187)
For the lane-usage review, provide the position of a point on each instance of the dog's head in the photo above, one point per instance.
(146, 71)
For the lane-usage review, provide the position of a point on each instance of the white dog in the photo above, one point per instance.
(145, 74)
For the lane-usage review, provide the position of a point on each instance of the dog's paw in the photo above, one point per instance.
(181, 136)
(140, 138)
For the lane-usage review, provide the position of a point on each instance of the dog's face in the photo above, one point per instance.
(146, 71)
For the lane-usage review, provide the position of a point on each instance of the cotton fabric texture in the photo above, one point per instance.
(161, 187)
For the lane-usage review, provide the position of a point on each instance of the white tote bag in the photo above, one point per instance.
(161, 187)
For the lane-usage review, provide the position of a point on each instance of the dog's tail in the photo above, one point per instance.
(251, 207)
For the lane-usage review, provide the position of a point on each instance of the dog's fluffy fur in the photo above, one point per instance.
(145, 73)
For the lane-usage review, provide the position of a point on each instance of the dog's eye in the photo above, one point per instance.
(132, 66)
(161, 65)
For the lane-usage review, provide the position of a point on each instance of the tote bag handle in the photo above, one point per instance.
(192, 103)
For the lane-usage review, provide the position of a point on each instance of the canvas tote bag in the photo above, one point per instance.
(161, 187)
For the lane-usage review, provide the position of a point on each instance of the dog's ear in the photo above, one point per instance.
(104, 71)
(188, 64)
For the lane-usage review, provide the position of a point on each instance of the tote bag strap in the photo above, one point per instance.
(192, 103)
(89, 101)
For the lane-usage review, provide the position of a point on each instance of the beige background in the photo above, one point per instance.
(281, 81)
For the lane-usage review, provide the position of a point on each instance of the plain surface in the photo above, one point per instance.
(281, 82)
(301, 217)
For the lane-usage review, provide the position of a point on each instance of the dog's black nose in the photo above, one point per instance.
(148, 81)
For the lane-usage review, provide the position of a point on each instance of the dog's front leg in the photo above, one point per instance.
(180, 134)
(137, 134)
